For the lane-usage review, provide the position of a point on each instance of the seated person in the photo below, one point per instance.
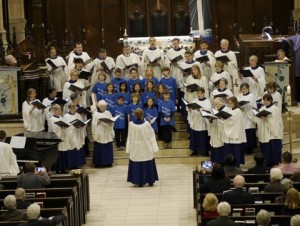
(224, 210)
(32, 179)
(295, 220)
(20, 196)
(275, 178)
(33, 213)
(259, 167)
(209, 205)
(281, 56)
(230, 166)
(12, 213)
(10, 60)
(295, 177)
(292, 203)
(286, 185)
(263, 218)
(287, 167)
(238, 195)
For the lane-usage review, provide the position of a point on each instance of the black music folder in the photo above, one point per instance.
(208, 114)
(246, 73)
(59, 101)
(82, 110)
(109, 120)
(243, 103)
(75, 89)
(262, 113)
(191, 105)
(202, 59)
(176, 59)
(85, 74)
(221, 114)
(53, 65)
(219, 95)
(224, 59)
(38, 104)
(62, 124)
(78, 123)
(192, 87)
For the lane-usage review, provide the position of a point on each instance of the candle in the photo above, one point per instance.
(288, 89)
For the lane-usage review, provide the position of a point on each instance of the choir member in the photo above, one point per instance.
(199, 140)
(149, 92)
(281, 57)
(47, 101)
(10, 60)
(99, 89)
(77, 53)
(277, 98)
(135, 104)
(170, 83)
(137, 89)
(58, 71)
(222, 90)
(149, 75)
(134, 78)
(120, 124)
(33, 117)
(153, 57)
(257, 82)
(216, 76)
(110, 96)
(151, 113)
(159, 97)
(128, 60)
(117, 79)
(103, 135)
(123, 91)
(141, 146)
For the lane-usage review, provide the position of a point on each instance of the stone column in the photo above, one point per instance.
(17, 19)
(2, 30)
(297, 10)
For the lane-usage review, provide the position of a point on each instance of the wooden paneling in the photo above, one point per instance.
(262, 14)
(245, 16)
(73, 16)
(281, 16)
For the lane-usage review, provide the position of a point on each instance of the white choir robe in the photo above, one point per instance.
(217, 76)
(218, 92)
(63, 134)
(67, 93)
(234, 129)
(247, 110)
(190, 96)
(197, 122)
(271, 127)
(175, 70)
(98, 67)
(256, 88)
(149, 56)
(8, 161)
(33, 121)
(48, 113)
(215, 132)
(208, 68)
(183, 78)
(141, 142)
(84, 56)
(102, 132)
(75, 136)
(123, 61)
(277, 98)
(58, 76)
(231, 66)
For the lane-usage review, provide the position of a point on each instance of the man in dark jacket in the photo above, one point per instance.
(12, 213)
(224, 210)
(259, 167)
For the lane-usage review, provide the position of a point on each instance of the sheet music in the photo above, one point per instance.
(153, 55)
(128, 60)
(108, 63)
(18, 142)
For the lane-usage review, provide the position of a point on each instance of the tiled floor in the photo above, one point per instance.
(116, 202)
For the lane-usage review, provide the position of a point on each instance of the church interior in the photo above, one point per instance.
(101, 196)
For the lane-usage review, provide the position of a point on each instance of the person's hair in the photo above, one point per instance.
(225, 41)
(33, 211)
(157, 90)
(200, 89)
(138, 114)
(126, 46)
(30, 91)
(224, 209)
(292, 200)
(150, 98)
(55, 107)
(73, 96)
(238, 181)
(244, 84)
(210, 202)
(135, 95)
(286, 184)
(188, 52)
(272, 85)
(196, 66)
(295, 177)
(202, 41)
(166, 92)
(219, 64)
(176, 39)
(101, 103)
(74, 71)
(78, 44)
(110, 84)
(219, 100)
(123, 83)
(10, 202)
(133, 69)
(137, 84)
(2, 134)
(268, 97)
(151, 69)
(280, 51)
(103, 74)
(78, 61)
(287, 157)
(217, 172)
(29, 167)
(51, 48)
(254, 57)
(118, 70)
(165, 69)
(71, 105)
(276, 174)
(146, 85)
(259, 158)
(20, 193)
(224, 80)
(295, 220)
(120, 97)
(235, 101)
(102, 50)
(50, 90)
(230, 160)
(263, 217)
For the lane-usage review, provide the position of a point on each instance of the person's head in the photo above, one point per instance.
(52, 93)
(78, 63)
(101, 76)
(56, 110)
(267, 99)
(224, 209)
(271, 87)
(292, 200)
(118, 73)
(244, 88)
(74, 74)
(102, 53)
(10, 60)
(275, 174)
(149, 72)
(135, 98)
(102, 105)
(210, 202)
(230, 160)
(29, 167)
(188, 55)
(133, 72)
(200, 92)
(10, 202)
(196, 72)
(238, 181)
(150, 102)
(166, 71)
(224, 44)
(123, 87)
(166, 95)
(52, 52)
(137, 88)
(138, 114)
(263, 217)
(120, 100)
(203, 45)
(218, 102)
(295, 220)
(253, 61)
(222, 83)
(110, 88)
(149, 86)
(75, 98)
(219, 65)
(2, 135)
(31, 94)
(296, 177)
(217, 172)
(33, 211)
(259, 159)
(286, 184)
(175, 43)
(126, 50)
(161, 89)
(280, 54)
(20, 193)
(152, 42)
(78, 47)
(72, 108)
(233, 102)
(286, 157)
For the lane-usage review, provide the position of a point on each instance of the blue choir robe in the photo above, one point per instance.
(166, 109)
(99, 89)
(110, 100)
(151, 115)
(120, 110)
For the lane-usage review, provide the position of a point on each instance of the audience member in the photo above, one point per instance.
(275, 178)
(295, 177)
(10, 60)
(295, 220)
(238, 195)
(20, 198)
(259, 167)
(224, 210)
(286, 185)
(12, 213)
(31, 179)
(230, 166)
(263, 218)
(210, 204)
(287, 167)
(292, 203)
(33, 213)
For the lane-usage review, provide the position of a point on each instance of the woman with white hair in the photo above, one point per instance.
(12, 213)
(224, 210)
(103, 134)
(295, 220)
(275, 179)
(263, 218)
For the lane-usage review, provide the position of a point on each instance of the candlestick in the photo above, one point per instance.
(288, 89)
